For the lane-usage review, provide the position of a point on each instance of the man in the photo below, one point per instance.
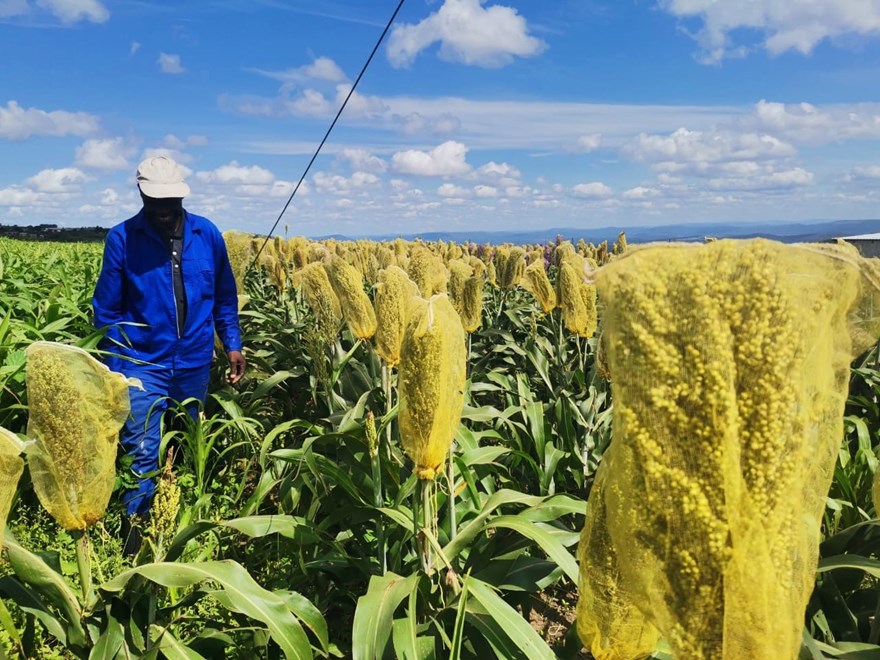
(165, 286)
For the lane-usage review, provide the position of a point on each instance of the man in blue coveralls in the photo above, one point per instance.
(165, 286)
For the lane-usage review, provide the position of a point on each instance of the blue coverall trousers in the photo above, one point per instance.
(141, 435)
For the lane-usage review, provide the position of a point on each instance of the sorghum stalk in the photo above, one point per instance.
(83, 564)
(376, 468)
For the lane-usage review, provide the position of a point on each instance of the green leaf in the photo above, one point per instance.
(512, 631)
(110, 642)
(33, 571)
(469, 532)
(374, 615)
(305, 611)
(460, 615)
(245, 595)
(405, 632)
(540, 533)
(171, 647)
(870, 566)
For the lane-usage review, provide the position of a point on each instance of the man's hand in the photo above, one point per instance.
(237, 366)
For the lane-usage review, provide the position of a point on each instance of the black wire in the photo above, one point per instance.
(327, 134)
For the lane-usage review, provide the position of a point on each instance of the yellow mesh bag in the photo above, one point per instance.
(432, 380)
(11, 467)
(76, 407)
(730, 363)
(395, 293)
(357, 310)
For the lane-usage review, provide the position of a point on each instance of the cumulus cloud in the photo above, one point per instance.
(783, 24)
(109, 154)
(170, 63)
(586, 143)
(865, 173)
(485, 191)
(135, 47)
(640, 192)
(684, 146)
(17, 123)
(234, 174)
(493, 170)
(363, 160)
(71, 11)
(63, 180)
(448, 159)
(468, 33)
(340, 185)
(593, 190)
(806, 123)
(452, 190)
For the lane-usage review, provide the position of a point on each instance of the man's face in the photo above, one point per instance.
(163, 213)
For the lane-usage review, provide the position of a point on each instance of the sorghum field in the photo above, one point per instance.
(291, 520)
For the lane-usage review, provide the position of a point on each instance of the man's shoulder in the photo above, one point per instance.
(125, 227)
(201, 223)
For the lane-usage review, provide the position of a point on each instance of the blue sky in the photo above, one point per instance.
(473, 115)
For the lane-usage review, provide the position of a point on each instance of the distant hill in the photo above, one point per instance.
(785, 232)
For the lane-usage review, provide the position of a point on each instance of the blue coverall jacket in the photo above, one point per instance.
(134, 296)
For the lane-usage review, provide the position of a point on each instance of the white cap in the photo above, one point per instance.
(160, 177)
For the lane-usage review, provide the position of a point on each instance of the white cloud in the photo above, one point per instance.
(448, 159)
(485, 191)
(135, 47)
(784, 24)
(493, 170)
(867, 173)
(684, 146)
(71, 11)
(804, 122)
(451, 190)
(234, 174)
(109, 197)
(109, 154)
(363, 160)
(322, 68)
(19, 196)
(170, 63)
(418, 124)
(173, 142)
(468, 33)
(593, 190)
(16, 123)
(587, 143)
(640, 192)
(769, 180)
(63, 180)
(340, 185)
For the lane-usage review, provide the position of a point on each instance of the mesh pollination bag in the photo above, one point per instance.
(730, 366)
(11, 467)
(76, 407)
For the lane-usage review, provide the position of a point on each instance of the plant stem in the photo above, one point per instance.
(84, 564)
(450, 476)
(428, 515)
(378, 502)
(386, 388)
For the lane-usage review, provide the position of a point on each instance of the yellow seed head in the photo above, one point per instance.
(348, 284)
(459, 273)
(428, 271)
(321, 299)
(472, 304)
(538, 284)
(395, 294)
(432, 381)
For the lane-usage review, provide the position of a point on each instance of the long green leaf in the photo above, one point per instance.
(541, 534)
(374, 615)
(516, 628)
(243, 592)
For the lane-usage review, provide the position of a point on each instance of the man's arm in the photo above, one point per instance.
(226, 310)
(107, 299)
